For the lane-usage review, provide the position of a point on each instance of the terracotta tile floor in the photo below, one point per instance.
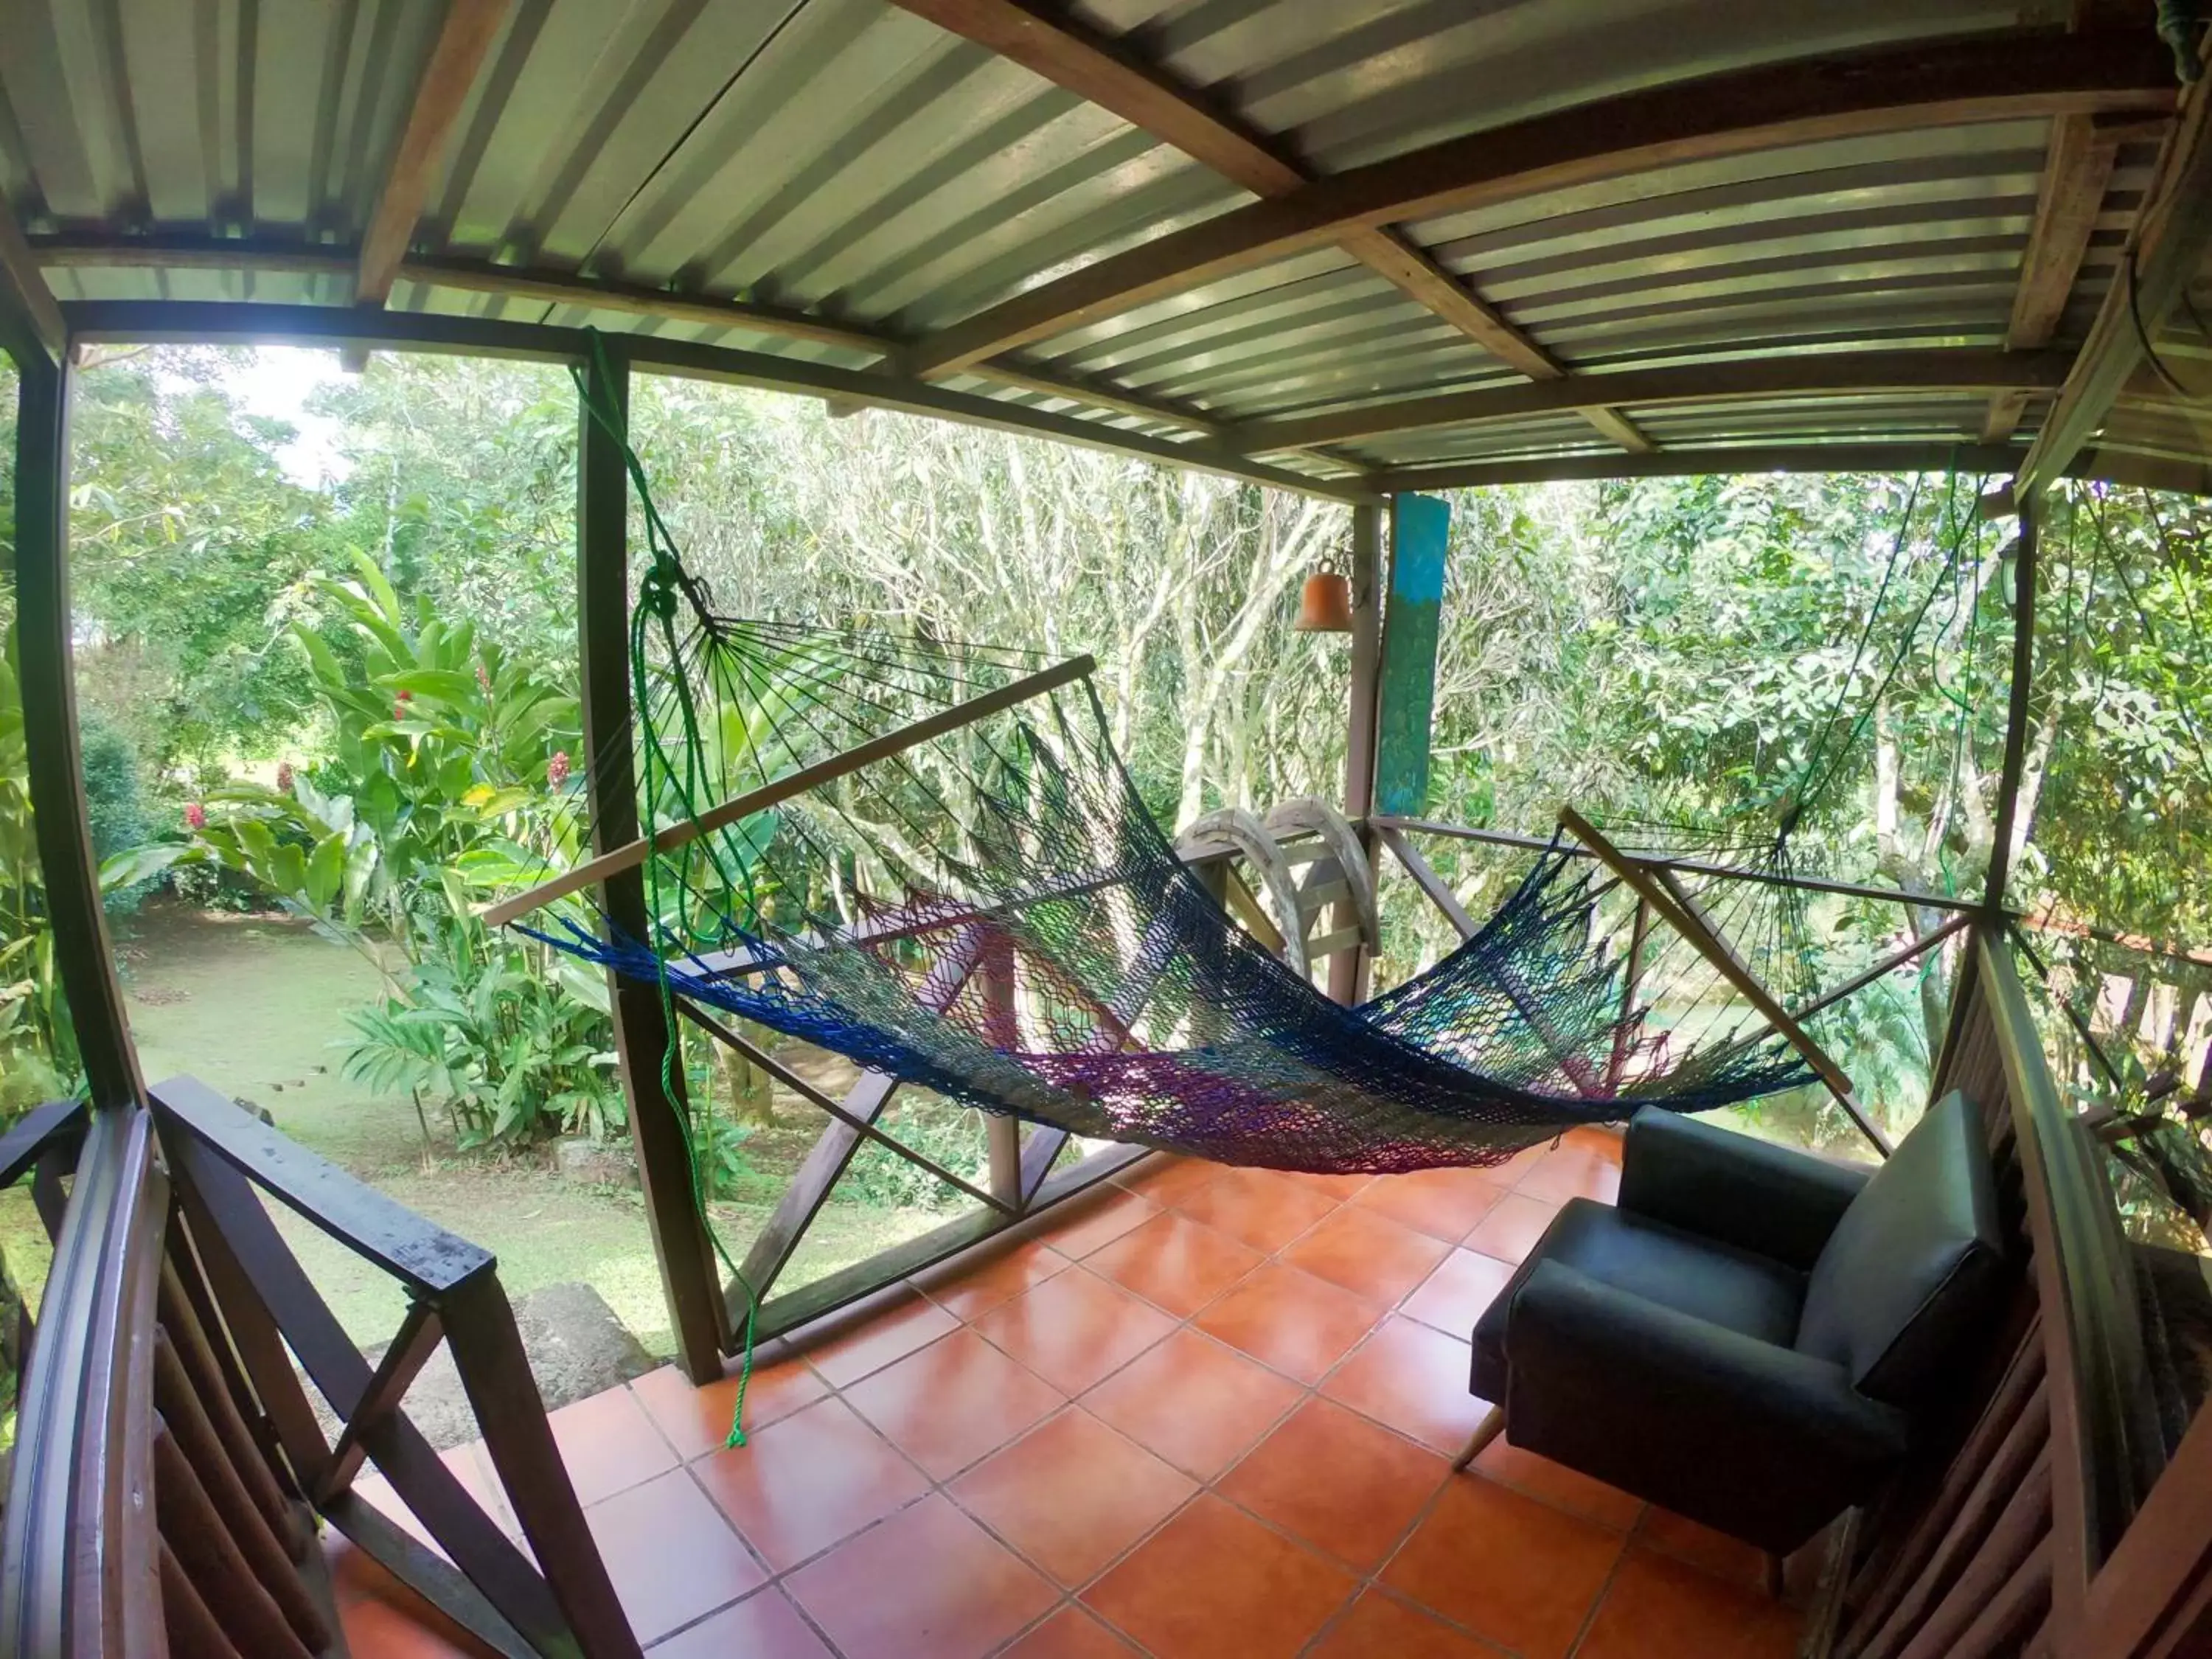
(1205, 1413)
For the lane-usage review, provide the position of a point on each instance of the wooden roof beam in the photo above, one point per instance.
(30, 316)
(1103, 71)
(2012, 75)
(463, 40)
(2169, 246)
(1896, 455)
(1803, 373)
(2077, 170)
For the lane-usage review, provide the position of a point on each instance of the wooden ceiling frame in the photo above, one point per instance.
(1105, 72)
(580, 293)
(2016, 75)
(2076, 172)
(465, 39)
(1804, 374)
(2168, 247)
(30, 317)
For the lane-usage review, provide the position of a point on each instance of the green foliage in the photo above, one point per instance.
(448, 750)
(941, 1130)
(115, 807)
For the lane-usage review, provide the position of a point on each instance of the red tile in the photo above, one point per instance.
(1455, 1295)
(1657, 1608)
(608, 1445)
(1071, 1633)
(928, 1584)
(955, 1402)
(1264, 1209)
(1074, 1329)
(1169, 1180)
(1072, 1494)
(1701, 1547)
(1338, 1186)
(764, 1625)
(696, 1421)
(876, 1335)
(1511, 1229)
(1414, 1380)
(1214, 1582)
(1513, 1571)
(1558, 1486)
(1336, 1481)
(1368, 1253)
(1175, 1263)
(1292, 1320)
(1195, 1402)
(1379, 1627)
(1572, 1170)
(1442, 1203)
(967, 1288)
(1097, 1219)
(1607, 1140)
(408, 1629)
(671, 1554)
(799, 1486)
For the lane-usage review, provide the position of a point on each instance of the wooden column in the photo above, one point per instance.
(1349, 970)
(48, 682)
(642, 1036)
(2010, 774)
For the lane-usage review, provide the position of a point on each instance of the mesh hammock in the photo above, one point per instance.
(981, 904)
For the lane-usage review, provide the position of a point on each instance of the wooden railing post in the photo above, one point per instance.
(643, 1037)
(48, 685)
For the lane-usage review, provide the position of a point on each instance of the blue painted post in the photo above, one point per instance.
(1419, 528)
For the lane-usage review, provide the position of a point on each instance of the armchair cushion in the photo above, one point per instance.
(1734, 1290)
(1912, 1275)
(1733, 1188)
(1722, 1425)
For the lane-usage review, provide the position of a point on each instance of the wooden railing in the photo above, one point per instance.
(2044, 1520)
(171, 1470)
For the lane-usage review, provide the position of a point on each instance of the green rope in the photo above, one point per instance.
(665, 583)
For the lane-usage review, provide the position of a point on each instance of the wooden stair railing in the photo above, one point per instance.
(171, 1473)
(2026, 1529)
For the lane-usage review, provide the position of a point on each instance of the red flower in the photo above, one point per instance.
(399, 705)
(284, 776)
(557, 769)
(483, 679)
(195, 816)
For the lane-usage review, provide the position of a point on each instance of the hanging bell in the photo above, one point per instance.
(1325, 605)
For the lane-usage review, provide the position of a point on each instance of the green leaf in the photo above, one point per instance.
(446, 684)
(326, 870)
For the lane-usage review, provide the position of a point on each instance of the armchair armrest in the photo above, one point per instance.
(1731, 1187)
(1758, 1440)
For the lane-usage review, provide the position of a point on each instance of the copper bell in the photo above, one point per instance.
(1325, 605)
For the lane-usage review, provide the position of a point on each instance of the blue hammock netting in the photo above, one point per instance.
(993, 913)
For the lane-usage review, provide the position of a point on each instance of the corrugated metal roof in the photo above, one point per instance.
(863, 178)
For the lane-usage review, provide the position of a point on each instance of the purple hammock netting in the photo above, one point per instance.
(993, 914)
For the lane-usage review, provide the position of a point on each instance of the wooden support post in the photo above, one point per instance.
(48, 685)
(1002, 1028)
(1350, 972)
(652, 1075)
(2015, 765)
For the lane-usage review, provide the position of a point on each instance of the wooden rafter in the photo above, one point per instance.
(1105, 72)
(1801, 374)
(1993, 77)
(24, 293)
(2077, 167)
(2171, 240)
(1901, 455)
(463, 39)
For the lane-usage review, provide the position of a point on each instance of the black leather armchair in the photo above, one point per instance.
(1751, 1335)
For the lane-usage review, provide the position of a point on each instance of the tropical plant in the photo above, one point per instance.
(455, 754)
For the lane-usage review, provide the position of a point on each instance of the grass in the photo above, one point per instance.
(255, 1007)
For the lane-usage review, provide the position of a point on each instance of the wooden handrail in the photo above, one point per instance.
(82, 1566)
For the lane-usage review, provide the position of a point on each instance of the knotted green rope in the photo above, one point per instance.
(664, 588)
